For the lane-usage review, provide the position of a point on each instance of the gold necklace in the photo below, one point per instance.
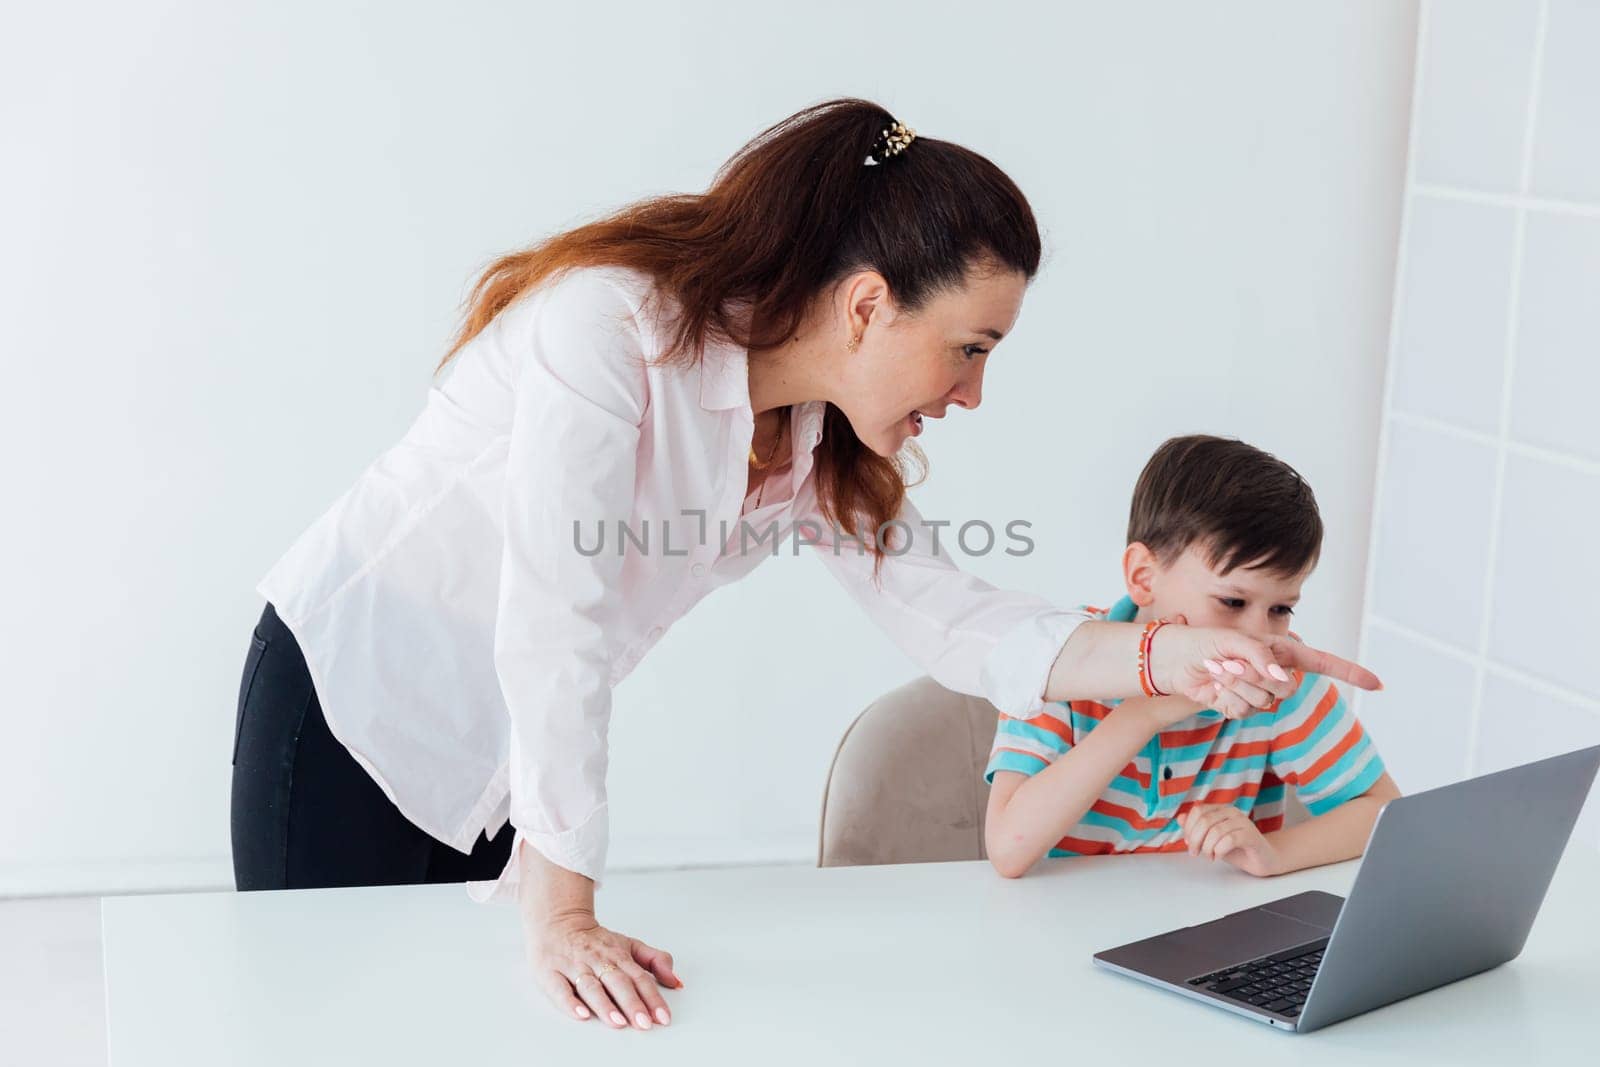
(762, 465)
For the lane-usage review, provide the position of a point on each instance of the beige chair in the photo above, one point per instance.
(906, 784)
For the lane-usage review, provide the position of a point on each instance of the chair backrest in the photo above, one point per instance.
(906, 782)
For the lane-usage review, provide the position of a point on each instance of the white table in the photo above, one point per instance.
(934, 963)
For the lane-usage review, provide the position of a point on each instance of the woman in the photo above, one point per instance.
(428, 690)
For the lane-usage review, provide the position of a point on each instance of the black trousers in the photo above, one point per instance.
(305, 814)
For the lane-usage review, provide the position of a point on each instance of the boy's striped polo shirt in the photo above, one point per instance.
(1310, 741)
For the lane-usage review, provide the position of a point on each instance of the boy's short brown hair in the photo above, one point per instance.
(1243, 506)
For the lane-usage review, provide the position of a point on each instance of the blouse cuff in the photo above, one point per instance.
(581, 850)
(1017, 669)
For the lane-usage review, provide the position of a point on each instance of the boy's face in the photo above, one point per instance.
(1246, 598)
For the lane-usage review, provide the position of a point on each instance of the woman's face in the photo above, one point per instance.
(913, 366)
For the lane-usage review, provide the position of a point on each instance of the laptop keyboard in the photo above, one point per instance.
(1277, 983)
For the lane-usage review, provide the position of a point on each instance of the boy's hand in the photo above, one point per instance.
(1223, 832)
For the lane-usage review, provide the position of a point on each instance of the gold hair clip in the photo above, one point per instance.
(895, 138)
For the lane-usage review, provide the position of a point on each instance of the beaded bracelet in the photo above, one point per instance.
(1147, 680)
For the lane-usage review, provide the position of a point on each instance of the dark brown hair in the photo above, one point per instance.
(792, 212)
(1244, 507)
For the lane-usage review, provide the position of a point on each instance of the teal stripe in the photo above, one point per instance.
(1125, 830)
(1270, 794)
(1357, 785)
(1082, 724)
(1257, 762)
(1322, 783)
(1013, 761)
(1295, 755)
(1307, 684)
(1127, 788)
(1023, 728)
(1183, 753)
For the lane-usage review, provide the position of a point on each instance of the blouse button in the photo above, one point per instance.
(657, 632)
(698, 569)
(1166, 772)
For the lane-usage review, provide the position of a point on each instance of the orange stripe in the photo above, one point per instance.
(1020, 752)
(1142, 777)
(1048, 723)
(1304, 730)
(1199, 735)
(1128, 815)
(1331, 757)
(1090, 709)
(1237, 750)
(1087, 848)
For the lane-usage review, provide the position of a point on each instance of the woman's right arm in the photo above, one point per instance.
(1229, 670)
(566, 945)
(580, 399)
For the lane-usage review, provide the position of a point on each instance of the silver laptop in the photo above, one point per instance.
(1312, 959)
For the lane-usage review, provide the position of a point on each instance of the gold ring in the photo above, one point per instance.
(604, 969)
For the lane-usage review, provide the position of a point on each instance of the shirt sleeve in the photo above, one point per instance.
(1028, 746)
(968, 635)
(1319, 747)
(579, 403)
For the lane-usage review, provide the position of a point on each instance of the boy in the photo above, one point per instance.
(1221, 534)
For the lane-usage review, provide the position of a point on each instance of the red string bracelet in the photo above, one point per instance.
(1147, 680)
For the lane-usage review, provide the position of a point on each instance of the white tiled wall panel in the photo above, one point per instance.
(1434, 512)
(1522, 724)
(1483, 604)
(1566, 147)
(1471, 105)
(1547, 575)
(1451, 354)
(1417, 721)
(1555, 399)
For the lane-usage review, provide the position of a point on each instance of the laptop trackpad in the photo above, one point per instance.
(1235, 938)
(1317, 908)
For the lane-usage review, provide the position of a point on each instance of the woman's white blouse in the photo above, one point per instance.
(464, 635)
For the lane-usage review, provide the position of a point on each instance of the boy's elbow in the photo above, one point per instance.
(1007, 854)
(1008, 869)
(1384, 790)
(1009, 863)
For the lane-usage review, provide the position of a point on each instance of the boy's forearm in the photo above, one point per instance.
(1052, 802)
(1341, 834)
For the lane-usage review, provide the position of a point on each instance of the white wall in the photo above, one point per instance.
(237, 236)
(1483, 582)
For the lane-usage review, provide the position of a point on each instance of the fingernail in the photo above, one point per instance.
(581, 1012)
(663, 1017)
(1278, 672)
(1213, 666)
(1232, 666)
(617, 1017)
(643, 1020)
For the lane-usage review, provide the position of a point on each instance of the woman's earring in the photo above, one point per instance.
(850, 345)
